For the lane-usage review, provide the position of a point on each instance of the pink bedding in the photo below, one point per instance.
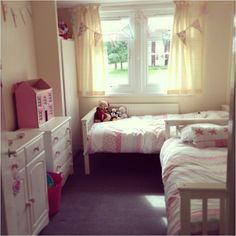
(137, 134)
(185, 163)
(143, 134)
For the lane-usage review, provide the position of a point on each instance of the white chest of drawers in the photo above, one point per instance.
(24, 183)
(58, 146)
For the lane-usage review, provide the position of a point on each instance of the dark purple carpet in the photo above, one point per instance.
(122, 196)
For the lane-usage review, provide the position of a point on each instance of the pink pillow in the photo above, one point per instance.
(210, 136)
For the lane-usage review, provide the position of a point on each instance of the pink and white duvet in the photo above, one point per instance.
(185, 163)
(137, 134)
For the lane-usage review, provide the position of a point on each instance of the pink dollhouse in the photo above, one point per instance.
(34, 103)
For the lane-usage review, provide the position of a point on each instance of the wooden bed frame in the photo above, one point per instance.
(201, 191)
(132, 110)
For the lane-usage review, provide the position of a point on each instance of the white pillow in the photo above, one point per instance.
(217, 114)
(210, 136)
(186, 133)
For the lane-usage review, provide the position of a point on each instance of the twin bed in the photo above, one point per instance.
(188, 172)
(194, 183)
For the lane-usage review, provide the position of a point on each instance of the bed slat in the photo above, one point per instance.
(204, 216)
(202, 191)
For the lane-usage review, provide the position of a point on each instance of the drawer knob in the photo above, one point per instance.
(55, 139)
(36, 149)
(28, 204)
(11, 153)
(58, 167)
(32, 200)
(58, 153)
(68, 130)
(14, 166)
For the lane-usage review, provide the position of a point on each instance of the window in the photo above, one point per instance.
(116, 35)
(158, 50)
(137, 47)
(118, 38)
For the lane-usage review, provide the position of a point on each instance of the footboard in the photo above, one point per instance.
(172, 122)
(189, 191)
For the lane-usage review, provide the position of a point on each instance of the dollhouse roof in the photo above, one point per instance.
(35, 85)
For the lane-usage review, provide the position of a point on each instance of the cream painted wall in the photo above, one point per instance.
(18, 55)
(216, 72)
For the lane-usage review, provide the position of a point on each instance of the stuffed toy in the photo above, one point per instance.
(63, 30)
(118, 113)
(114, 114)
(102, 113)
(123, 113)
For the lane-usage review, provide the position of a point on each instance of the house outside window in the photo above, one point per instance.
(158, 50)
(137, 47)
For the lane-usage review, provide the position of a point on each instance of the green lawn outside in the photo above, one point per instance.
(154, 73)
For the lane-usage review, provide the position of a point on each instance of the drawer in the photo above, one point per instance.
(62, 131)
(33, 149)
(62, 159)
(66, 170)
(17, 160)
(60, 147)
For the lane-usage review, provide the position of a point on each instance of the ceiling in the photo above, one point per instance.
(64, 3)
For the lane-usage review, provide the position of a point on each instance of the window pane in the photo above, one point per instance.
(158, 48)
(117, 62)
(116, 34)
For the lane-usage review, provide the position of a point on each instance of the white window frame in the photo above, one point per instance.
(137, 67)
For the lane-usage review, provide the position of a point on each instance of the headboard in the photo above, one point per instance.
(174, 122)
(137, 109)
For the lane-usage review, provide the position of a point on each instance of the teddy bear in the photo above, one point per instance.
(102, 113)
(114, 114)
(122, 112)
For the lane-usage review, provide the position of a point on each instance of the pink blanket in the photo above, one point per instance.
(143, 134)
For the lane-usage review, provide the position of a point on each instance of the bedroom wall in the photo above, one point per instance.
(18, 54)
(216, 72)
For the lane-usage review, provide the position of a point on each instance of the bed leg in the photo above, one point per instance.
(86, 164)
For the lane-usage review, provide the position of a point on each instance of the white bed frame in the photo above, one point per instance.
(132, 110)
(201, 191)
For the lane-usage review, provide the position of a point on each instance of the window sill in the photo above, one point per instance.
(148, 95)
(123, 95)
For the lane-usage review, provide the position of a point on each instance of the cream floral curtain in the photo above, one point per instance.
(186, 54)
(89, 51)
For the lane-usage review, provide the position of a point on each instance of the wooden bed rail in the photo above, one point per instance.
(175, 122)
(203, 191)
(87, 122)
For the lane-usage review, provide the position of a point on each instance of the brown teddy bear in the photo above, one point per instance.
(102, 113)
